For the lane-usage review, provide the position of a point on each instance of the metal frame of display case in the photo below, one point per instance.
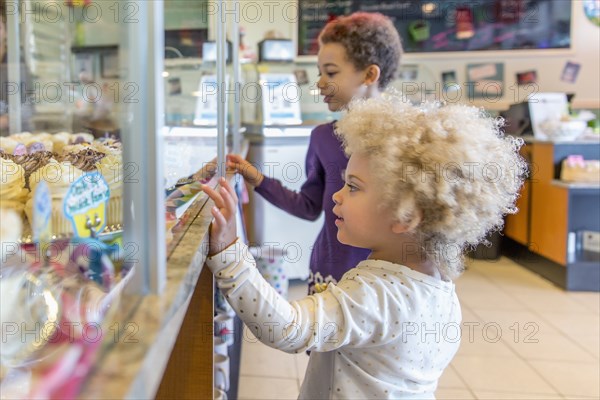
(143, 120)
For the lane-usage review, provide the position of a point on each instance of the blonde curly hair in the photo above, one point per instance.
(450, 165)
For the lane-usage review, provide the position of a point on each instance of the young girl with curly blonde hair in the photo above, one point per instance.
(422, 184)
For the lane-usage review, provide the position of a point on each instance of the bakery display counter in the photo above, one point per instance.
(93, 338)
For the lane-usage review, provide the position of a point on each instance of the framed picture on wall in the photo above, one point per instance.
(570, 72)
(109, 65)
(527, 77)
(485, 80)
(83, 67)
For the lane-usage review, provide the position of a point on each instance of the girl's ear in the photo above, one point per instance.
(409, 226)
(373, 72)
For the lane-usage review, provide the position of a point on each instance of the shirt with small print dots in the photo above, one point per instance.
(373, 335)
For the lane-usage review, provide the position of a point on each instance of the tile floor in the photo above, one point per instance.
(529, 340)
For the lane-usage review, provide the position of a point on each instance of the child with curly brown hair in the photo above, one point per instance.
(422, 184)
(358, 57)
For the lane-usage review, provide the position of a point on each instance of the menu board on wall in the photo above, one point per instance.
(439, 26)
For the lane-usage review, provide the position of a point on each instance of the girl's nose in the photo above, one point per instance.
(322, 82)
(337, 197)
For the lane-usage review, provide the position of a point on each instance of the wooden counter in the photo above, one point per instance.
(550, 209)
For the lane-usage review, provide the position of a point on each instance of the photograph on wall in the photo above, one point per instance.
(570, 72)
(485, 80)
(526, 77)
(408, 73)
(109, 65)
(449, 79)
(83, 68)
(174, 86)
(301, 76)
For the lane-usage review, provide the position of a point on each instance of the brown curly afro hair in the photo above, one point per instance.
(369, 38)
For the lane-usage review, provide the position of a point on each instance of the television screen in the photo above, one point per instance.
(276, 50)
(209, 51)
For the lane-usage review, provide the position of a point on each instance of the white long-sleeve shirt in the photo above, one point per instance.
(384, 331)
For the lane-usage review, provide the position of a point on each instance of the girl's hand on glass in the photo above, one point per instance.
(250, 173)
(223, 227)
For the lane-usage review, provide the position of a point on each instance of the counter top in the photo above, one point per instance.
(136, 352)
(587, 140)
(576, 185)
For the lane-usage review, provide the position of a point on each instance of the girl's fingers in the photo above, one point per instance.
(216, 197)
(229, 189)
(219, 218)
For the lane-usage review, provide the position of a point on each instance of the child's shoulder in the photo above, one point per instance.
(327, 128)
(389, 273)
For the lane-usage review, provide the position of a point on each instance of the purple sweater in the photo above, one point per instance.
(325, 163)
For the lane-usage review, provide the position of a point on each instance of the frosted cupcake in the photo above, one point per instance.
(7, 145)
(58, 176)
(82, 137)
(108, 146)
(85, 160)
(23, 137)
(12, 186)
(61, 140)
(32, 162)
(43, 138)
(111, 168)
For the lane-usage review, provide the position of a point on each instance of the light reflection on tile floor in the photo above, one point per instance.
(547, 346)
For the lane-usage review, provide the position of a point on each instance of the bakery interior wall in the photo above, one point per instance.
(281, 16)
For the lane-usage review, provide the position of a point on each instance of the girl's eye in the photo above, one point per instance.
(331, 74)
(351, 187)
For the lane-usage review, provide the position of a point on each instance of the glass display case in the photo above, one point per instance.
(103, 216)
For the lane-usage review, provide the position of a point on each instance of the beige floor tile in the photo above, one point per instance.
(588, 299)
(572, 323)
(549, 346)
(491, 298)
(481, 340)
(450, 379)
(526, 323)
(453, 394)
(590, 343)
(553, 301)
(571, 379)
(495, 374)
(484, 395)
(261, 360)
(468, 316)
(259, 388)
(473, 281)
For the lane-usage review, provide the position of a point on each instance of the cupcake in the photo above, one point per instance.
(12, 186)
(22, 137)
(58, 176)
(7, 145)
(41, 138)
(85, 160)
(75, 148)
(32, 162)
(60, 140)
(109, 146)
(82, 137)
(111, 168)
